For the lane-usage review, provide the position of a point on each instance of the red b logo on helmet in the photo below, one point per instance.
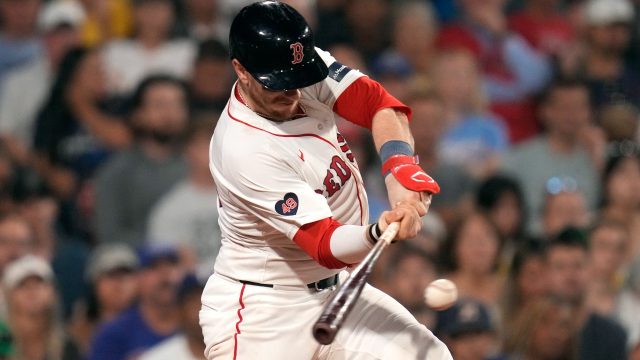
(298, 55)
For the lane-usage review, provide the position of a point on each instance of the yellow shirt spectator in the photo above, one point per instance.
(106, 19)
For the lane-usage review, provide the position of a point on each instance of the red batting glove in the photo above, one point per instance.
(406, 170)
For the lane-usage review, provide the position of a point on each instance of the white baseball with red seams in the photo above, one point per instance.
(441, 294)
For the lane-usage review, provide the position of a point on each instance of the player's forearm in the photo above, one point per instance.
(390, 124)
(334, 245)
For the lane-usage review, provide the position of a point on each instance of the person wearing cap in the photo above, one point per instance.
(154, 318)
(608, 37)
(467, 330)
(293, 208)
(59, 25)
(113, 286)
(36, 330)
(188, 344)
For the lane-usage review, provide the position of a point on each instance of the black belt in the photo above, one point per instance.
(318, 285)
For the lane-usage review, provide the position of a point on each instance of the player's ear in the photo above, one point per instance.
(241, 72)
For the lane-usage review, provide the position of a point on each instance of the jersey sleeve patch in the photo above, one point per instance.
(287, 206)
(338, 71)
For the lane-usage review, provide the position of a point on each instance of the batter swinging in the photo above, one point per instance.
(293, 209)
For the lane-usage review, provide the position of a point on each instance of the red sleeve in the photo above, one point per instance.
(315, 239)
(361, 100)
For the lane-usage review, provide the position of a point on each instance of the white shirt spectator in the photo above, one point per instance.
(174, 348)
(188, 216)
(21, 97)
(127, 62)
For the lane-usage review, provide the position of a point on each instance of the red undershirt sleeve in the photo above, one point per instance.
(315, 239)
(361, 100)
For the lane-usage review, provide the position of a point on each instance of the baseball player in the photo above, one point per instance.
(292, 205)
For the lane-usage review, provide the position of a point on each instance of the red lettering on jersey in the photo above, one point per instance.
(345, 147)
(330, 184)
(298, 55)
(340, 168)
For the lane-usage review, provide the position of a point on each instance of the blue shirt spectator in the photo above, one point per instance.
(125, 337)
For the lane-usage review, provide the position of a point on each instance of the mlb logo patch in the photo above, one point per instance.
(287, 206)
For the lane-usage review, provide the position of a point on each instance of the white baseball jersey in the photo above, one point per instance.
(274, 177)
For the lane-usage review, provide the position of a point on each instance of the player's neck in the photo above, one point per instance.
(243, 96)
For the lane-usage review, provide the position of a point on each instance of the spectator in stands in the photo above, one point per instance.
(467, 330)
(473, 138)
(18, 37)
(560, 151)
(187, 216)
(66, 254)
(211, 79)
(603, 65)
(564, 205)
(16, 239)
(513, 70)
(202, 21)
(544, 27)
(153, 319)
(427, 125)
(567, 260)
(28, 284)
(544, 330)
(627, 307)
(113, 287)
(474, 251)
(150, 51)
(414, 32)
(73, 135)
(106, 20)
(500, 198)
(619, 121)
(621, 194)
(59, 25)
(409, 271)
(608, 251)
(131, 183)
(526, 282)
(368, 26)
(189, 345)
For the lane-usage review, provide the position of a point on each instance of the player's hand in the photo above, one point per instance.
(397, 193)
(408, 214)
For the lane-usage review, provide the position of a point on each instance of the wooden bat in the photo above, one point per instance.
(336, 311)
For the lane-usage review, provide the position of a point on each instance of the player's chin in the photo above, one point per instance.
(284, 110)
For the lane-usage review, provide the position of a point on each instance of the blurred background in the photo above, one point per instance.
(526, 112)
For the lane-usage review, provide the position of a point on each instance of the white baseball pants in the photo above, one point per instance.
(247, 322)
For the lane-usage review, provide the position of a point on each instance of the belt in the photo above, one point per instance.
(318, 285)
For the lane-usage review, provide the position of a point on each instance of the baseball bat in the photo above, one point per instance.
(336, 311)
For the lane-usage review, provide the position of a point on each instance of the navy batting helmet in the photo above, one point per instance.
(275, 44)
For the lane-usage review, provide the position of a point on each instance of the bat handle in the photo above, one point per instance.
(390, 232)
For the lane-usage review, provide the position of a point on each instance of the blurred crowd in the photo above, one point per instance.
(525, 111)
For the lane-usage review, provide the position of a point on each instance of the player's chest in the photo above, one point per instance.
(327, 164)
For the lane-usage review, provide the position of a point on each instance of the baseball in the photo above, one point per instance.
(441, 294)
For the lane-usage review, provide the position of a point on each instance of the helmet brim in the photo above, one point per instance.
(298, 76)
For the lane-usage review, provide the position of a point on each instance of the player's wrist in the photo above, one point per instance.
(373, 233)
(393, 150)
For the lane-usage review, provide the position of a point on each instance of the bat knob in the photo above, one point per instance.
(324, 333)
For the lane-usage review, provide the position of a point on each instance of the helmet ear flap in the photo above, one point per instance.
(274, 43)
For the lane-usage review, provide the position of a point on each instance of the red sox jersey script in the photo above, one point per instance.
(274, 177)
